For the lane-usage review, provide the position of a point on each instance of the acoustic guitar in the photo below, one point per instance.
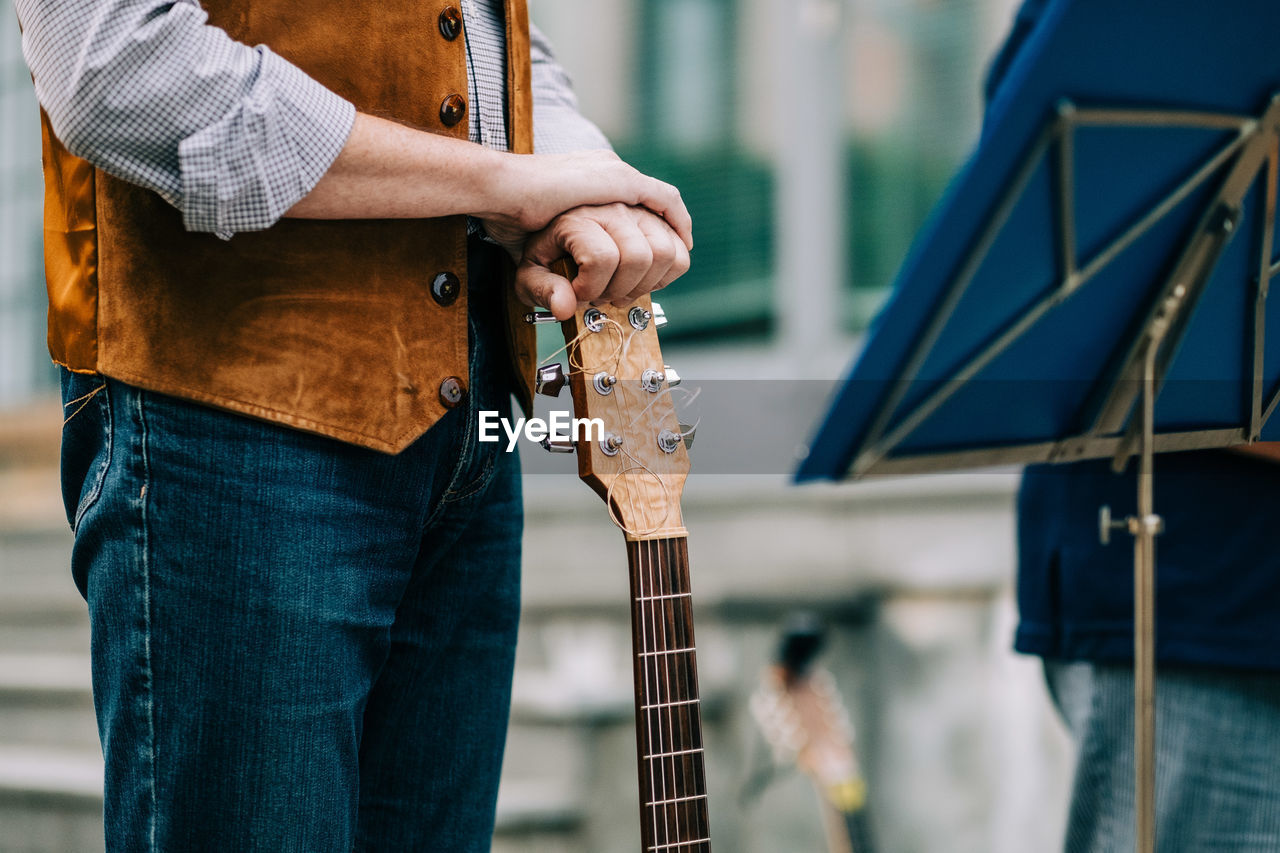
(637, 461)
(799, 710)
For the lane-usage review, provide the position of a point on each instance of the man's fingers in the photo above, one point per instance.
(621, 253)
(664, 200)
(584, 240)
(679, 264)
(594, 251)
(635, 253)
(662, 242)
(538, 286)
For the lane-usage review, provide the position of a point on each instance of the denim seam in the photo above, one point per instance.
(479, 484)
(145, 565)
(463, 457)
(452, 492)
(100, 474)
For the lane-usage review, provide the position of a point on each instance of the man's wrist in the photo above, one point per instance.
(500, 179)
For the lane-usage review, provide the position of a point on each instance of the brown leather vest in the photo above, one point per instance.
(329, 327)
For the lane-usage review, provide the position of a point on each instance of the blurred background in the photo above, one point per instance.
(810, 138)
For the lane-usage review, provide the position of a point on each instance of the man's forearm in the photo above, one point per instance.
(388, 171)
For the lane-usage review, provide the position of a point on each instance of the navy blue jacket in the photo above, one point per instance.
(1217, 563)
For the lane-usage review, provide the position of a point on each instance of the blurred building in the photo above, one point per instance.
(24, 363)
(810, 138)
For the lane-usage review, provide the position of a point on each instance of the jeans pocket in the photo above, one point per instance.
(476, 481)
(86, 442)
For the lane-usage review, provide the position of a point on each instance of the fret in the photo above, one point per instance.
(677, 800)
(672, 754)
(667, 652)
(669, 597)
(670, 704)
(677, 844)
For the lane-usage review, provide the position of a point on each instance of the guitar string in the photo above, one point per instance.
(637, 465)
(644, 647)
(667, 664)
(680, 713)
(655, 745)
(688, 711)
(615, 356)
(658, 660)
(668, 391)
(573, 347)
(626, 345)
(671, 575)
(694, 710)
(691, 712)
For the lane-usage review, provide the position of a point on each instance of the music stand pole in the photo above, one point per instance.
(1185, 286)
(1145, 527)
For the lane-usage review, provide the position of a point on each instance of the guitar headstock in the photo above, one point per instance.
(799, 710)
(634, 451)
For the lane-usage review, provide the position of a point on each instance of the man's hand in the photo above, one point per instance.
(535, 188)
(622, 253)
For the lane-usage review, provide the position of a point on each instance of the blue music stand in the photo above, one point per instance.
(1095, 281)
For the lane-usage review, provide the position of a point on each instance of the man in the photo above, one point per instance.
(277, 325)
(1218, 633)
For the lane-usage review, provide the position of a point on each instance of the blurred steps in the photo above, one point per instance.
(50, 760)
(50, 800)
(45, 701)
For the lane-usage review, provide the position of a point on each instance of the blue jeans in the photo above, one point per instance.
(1217, 758)
(298, 645)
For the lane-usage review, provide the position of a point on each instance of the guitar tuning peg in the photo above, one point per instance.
(673, 378)
(550, 380)
(659, 316)
(538, 318)
(556, 446)
(686, 432)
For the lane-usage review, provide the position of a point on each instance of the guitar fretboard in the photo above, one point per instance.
(673, 790)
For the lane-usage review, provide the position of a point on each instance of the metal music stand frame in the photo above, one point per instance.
(1138, 375)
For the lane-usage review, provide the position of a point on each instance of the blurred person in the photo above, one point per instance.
(279, 302)
(1217, 623)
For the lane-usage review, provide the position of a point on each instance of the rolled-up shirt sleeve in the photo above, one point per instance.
(558, 126)
(231, 135)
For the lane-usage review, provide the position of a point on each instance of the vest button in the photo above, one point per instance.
(445, 288)
(451, 392)
(450, 22)
(452, 110)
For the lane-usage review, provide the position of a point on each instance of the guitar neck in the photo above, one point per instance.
(859, 832)
(673, 789)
